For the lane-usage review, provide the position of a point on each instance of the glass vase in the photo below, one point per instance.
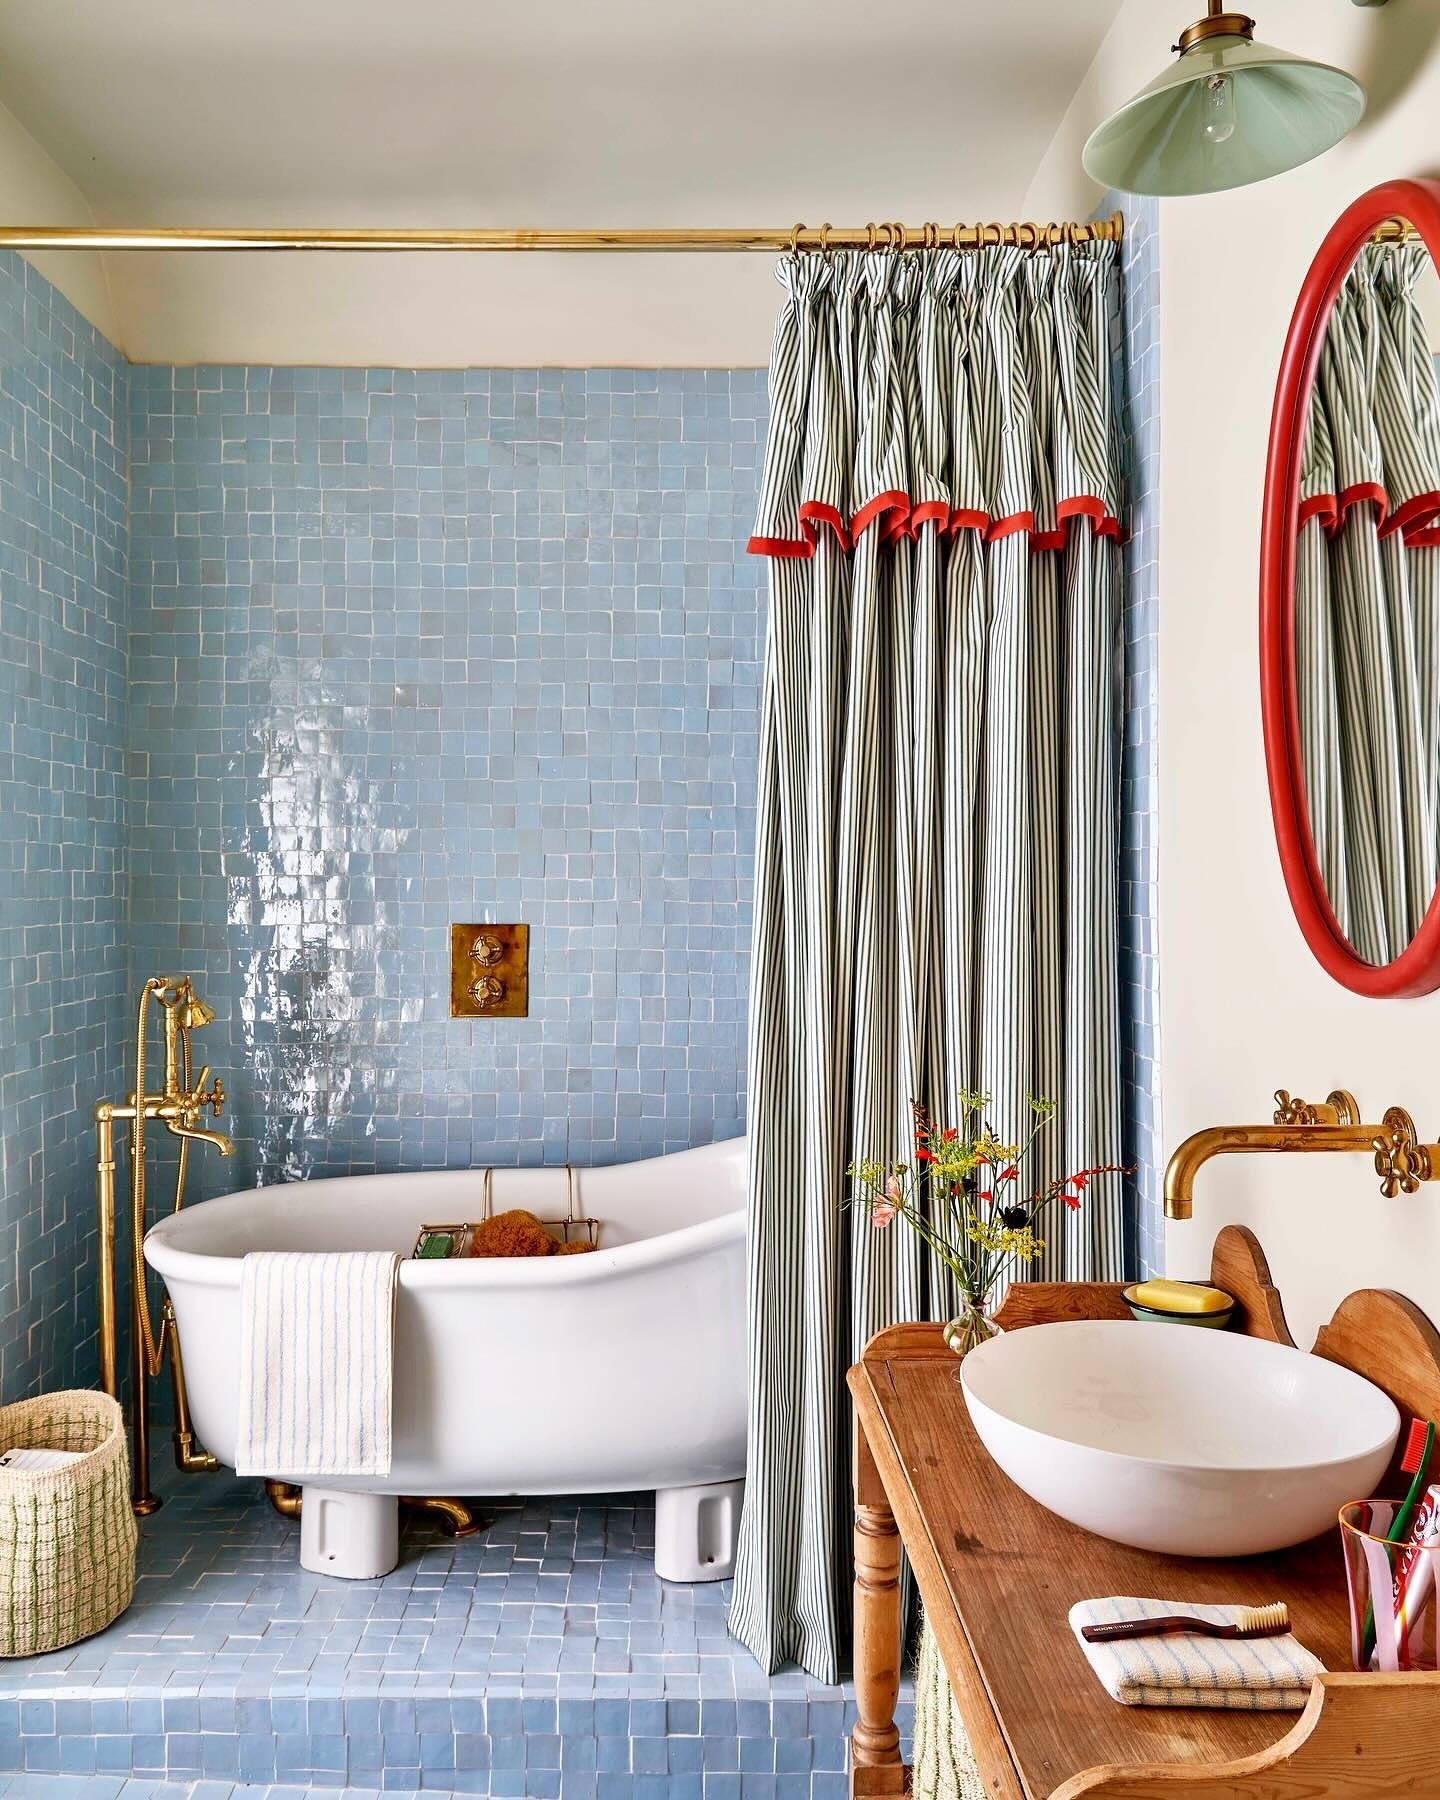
(970, 1327)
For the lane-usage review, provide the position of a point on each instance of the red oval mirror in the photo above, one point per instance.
(1350, 600)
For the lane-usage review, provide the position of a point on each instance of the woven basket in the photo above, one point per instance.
(67, 1536)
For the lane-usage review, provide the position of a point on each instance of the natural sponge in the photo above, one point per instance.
(578, 1248)
(516, 1233)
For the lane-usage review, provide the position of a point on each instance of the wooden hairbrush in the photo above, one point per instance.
(1254, 1622)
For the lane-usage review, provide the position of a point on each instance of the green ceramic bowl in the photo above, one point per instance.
(1211, 1321)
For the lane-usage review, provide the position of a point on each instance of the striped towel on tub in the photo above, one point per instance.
(317, 1332)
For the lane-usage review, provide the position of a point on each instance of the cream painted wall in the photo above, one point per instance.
(34, 190)
(1244, 1008)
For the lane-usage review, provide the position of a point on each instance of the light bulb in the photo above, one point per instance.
(1219, 125)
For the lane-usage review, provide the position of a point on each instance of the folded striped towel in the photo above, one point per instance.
(317, 1333)
(1236, 1674)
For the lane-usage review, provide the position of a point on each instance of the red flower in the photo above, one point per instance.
(951, 1135)
(1009, 1174)
(985, 1194)
(1081, 1180)
(1071, 1200)
(922, 1154)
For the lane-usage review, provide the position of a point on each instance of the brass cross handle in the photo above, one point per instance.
(487, 990)
(200, 1099)
(1401, 1161)
(1338, 1108)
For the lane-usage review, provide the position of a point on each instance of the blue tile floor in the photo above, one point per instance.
(541, 1659)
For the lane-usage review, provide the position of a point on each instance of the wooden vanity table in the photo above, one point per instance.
(998, 1575)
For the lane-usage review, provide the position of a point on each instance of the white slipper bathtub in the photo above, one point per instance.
(618, 1370)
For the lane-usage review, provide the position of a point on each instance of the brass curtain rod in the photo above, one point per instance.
(1028, 236)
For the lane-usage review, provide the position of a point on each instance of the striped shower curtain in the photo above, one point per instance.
(1367, 585)
(936, 886)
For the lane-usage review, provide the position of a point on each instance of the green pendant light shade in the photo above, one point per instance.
(1228, 112)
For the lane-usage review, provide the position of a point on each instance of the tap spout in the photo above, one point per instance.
(198, 1133)
(1228, 1140)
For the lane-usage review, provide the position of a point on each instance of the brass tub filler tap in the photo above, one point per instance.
(178, 1105)
(1401, 1161)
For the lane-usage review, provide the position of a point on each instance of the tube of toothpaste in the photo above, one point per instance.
(1414, 1583)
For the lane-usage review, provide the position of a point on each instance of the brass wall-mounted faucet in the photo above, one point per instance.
(1401, 1161)
(178, 1106)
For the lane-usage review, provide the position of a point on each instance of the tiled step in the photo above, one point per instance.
(540, 1660)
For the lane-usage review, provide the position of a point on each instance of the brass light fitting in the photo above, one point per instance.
(1401, 1161)
(1216, 24)
(1226, 112)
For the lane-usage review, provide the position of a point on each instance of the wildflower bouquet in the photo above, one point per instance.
(966, 1197)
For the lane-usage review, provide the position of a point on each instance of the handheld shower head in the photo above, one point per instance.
(194, 1012)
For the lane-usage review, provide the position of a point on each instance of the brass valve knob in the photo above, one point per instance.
(217, 1098)
(487, 990)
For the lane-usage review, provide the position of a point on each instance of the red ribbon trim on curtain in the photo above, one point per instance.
(898, 516)
(1418, 519)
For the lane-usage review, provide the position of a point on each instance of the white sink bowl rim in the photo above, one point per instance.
(1192, 1443)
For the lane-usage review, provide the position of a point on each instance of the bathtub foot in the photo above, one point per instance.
(355, 1536)
(696, 1531)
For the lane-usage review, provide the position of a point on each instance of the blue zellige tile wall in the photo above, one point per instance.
(63, 973)
(413, 647)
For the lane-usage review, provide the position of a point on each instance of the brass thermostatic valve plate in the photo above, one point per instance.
(489, 971)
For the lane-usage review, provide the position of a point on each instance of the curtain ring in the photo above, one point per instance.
(902, 233)
(1052, 236)
(870, 234)
(932, 236)
(825, 239)
(795, 237)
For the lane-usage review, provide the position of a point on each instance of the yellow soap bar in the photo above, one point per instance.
(1180, 1297)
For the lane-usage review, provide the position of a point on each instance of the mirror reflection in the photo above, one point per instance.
(1367, 585)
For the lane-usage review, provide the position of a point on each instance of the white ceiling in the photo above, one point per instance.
(639, 111)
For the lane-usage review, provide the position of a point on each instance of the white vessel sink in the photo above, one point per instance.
(1195, 1443)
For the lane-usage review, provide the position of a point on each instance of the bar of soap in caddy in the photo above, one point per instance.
(1181, 1303)
(1160, 1295)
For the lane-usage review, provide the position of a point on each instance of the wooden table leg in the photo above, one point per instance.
(875, 1741)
